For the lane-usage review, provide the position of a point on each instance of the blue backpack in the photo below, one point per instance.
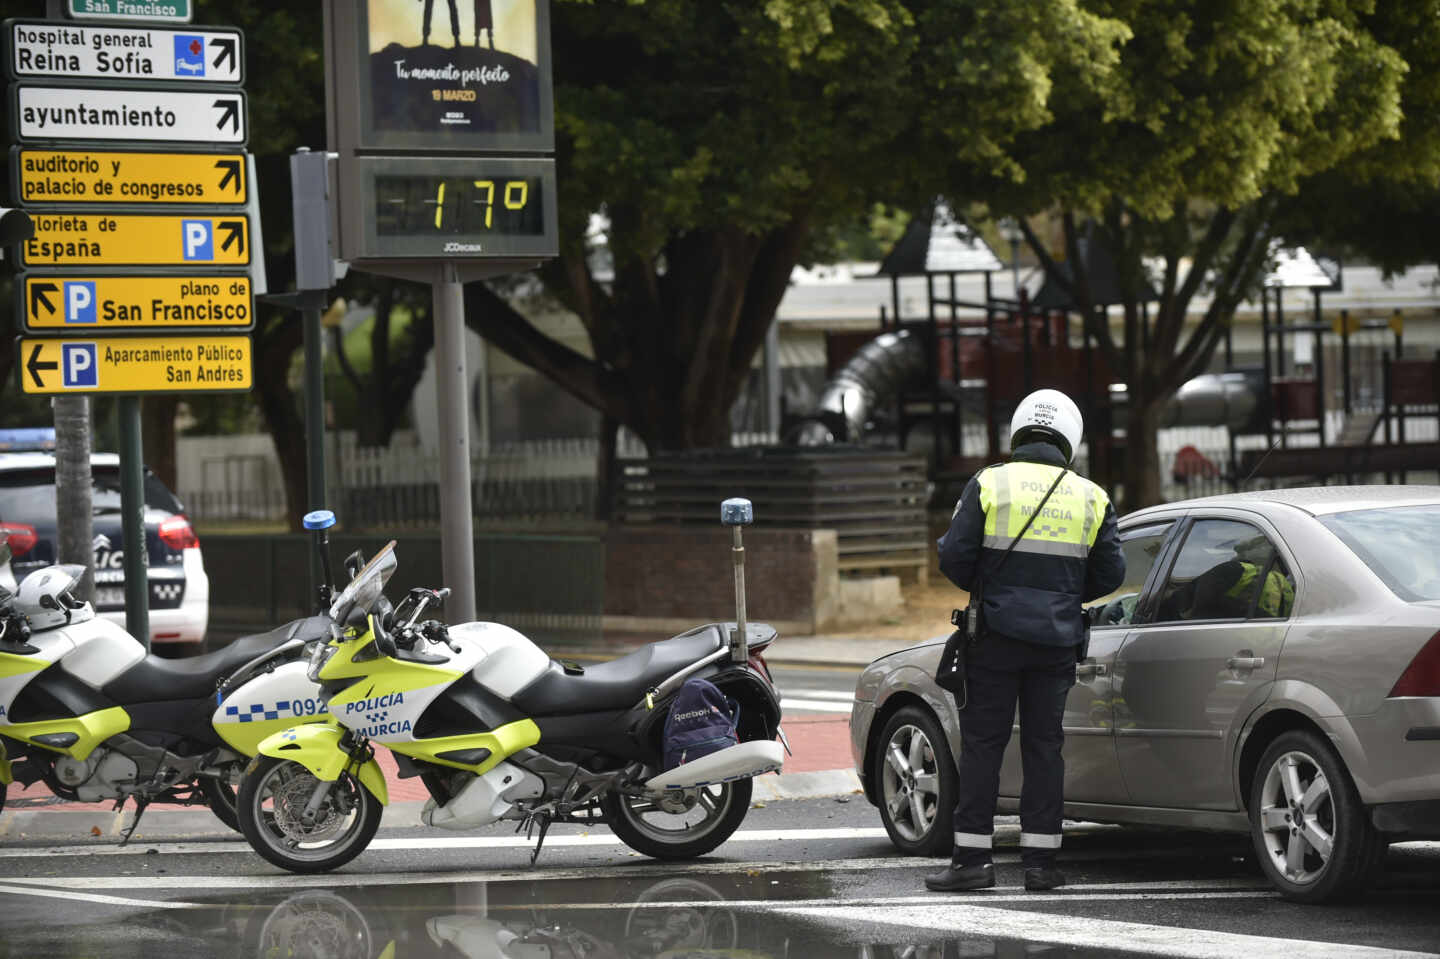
(701, 721)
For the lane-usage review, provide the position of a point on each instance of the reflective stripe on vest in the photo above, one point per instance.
(1067, 526)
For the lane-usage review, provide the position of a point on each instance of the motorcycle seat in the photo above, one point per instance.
(154, 679)
(620, 683)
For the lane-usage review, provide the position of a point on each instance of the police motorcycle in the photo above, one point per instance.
(86, 711)
(497, 730)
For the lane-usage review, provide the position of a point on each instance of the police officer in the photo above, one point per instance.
(1032, 629)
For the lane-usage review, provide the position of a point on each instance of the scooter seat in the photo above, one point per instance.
(620, 683)
(154, 679)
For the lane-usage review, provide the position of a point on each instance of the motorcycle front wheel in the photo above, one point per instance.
(679, 824)
(273, 797)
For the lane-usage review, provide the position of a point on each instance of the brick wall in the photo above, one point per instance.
(665, 578)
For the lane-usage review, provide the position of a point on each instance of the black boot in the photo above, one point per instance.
(962, 878)
(1041, 878)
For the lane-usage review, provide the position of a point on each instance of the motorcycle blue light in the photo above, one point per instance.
(319, 519)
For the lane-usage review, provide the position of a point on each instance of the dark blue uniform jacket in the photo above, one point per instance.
(1033, 597)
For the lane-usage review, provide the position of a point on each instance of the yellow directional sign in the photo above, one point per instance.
(100, 239)
(134, 364)
(87, 305)
(99, 176)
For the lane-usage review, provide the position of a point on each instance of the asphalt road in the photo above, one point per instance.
(801, 878)
(813, 877)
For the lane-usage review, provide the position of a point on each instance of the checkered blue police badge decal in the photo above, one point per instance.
(257, 712)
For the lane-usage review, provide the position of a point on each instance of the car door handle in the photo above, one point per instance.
(1089, 669)
(1245, 662)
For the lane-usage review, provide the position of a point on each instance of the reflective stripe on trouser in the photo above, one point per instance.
(1040, 840)
(973, 840)
(1002, 672)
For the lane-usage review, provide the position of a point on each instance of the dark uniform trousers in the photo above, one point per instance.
(1002, 671)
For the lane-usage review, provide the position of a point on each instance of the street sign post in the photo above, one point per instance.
(74, 177)
(73, 303)
(132, 114)
(46, 48)
(103, 239)
(133, 364)
(131, 160)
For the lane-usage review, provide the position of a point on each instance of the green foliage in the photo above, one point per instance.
(1217, 102)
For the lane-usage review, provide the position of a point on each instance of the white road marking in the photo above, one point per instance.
(651, 870)
(1104, 934)
(833, 694)
(102, 900)
(141, 847)
(814, 706)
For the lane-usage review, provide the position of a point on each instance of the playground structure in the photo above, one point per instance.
(928, 383)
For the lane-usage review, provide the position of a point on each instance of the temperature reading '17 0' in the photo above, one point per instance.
(516, 193)
(458, 206)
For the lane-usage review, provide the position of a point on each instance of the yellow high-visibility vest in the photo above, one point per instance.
(1067, 525)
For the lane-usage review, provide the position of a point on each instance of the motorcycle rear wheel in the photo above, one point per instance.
(272, 797)
(681, 827)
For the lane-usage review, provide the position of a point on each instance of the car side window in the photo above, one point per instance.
(1141, 548)
(1226, 570)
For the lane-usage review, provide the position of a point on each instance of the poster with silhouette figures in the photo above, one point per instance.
(457, 74)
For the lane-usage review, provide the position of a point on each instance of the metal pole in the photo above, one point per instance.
(1345, 360)
(1319, 365)
(739, 649)
(457, 529)
(773, 392)
(74, 529)
(132, 522)
(314, 429)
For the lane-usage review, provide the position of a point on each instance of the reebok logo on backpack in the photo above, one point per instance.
(701, 722)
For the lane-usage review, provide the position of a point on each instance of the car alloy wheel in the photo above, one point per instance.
(917, 782)
(1311, 832)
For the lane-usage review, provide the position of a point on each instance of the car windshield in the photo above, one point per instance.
(1398, 543)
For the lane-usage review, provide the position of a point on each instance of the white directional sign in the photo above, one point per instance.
(134, 115)
(57, 49)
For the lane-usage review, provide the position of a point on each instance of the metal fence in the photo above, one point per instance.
(552, 588)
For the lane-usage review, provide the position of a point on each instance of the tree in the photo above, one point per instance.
(1183, 149)
(719, 138)
(400, 339)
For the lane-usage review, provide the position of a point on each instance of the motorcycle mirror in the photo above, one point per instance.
(354, 563)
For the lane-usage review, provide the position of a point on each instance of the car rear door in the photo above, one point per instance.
(1202, 656)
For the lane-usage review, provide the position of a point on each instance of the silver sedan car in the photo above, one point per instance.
(1271, 665)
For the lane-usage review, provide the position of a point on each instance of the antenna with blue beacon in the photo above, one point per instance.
(319, 522)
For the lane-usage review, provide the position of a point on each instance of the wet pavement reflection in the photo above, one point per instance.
(672, 918)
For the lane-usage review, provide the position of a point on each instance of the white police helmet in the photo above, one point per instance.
(1048, 415)
(47, 597)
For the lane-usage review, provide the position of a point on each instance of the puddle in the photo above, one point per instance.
(678, 917)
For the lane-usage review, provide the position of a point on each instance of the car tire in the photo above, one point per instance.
(916, 782)
(1312, 835)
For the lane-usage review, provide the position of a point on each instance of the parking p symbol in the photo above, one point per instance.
(79, 302)
(78, 366)
(198, 243)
